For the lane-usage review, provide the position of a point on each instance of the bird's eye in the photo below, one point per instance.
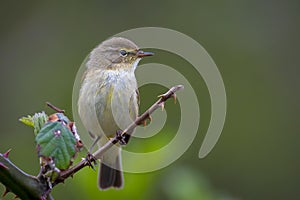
(123, 53)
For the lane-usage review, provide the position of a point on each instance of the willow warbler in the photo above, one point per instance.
(108, 100)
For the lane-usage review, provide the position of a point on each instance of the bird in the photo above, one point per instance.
(109, 100)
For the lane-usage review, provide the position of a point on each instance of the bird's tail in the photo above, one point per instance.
(110, 176)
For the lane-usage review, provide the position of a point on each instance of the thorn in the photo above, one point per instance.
(150, 118)
(163, 96)
(5, 192)
(5, 155)
(145, 121)
(162, 104)
(175, 98)
(3, 166)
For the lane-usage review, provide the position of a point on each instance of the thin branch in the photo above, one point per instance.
(50, 105)
(125, 133)
(30, 187)
(139, 120)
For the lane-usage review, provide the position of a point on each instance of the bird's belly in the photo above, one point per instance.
(108, 103)
(116, 107)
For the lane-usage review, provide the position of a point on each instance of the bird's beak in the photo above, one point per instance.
(142, 54)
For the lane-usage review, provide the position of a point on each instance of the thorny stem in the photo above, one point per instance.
(139, 120)
(127, 132)
(37, 188)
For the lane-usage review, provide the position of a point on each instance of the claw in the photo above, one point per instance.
(91, 160)
(122, 137)
(6, 153)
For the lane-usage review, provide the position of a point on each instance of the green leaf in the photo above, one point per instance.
(39, 119)
(56, 141)
(27, 121)
(36, 121)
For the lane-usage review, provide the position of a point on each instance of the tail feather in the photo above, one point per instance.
(111, 177)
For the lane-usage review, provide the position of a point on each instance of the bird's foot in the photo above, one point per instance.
(90, 160)
(121, 137)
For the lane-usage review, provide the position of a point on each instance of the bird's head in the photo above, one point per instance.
(117, 53)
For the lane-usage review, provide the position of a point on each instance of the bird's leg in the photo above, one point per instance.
(90, 159)
(94, 143)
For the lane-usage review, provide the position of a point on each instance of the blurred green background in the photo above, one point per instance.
(255, 44)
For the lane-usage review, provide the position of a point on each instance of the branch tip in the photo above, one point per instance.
(177, 88)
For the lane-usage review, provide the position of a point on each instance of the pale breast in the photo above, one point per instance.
(111, 96)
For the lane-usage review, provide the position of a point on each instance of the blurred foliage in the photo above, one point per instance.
(255, 45)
